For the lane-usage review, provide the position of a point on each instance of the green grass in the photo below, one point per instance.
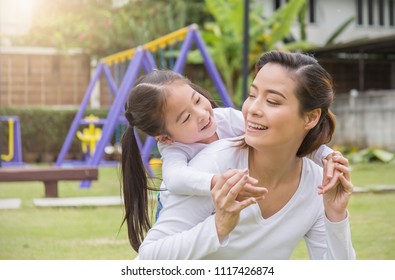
(94, 232)
(373, 174)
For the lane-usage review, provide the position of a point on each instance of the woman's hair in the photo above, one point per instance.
(314, 90)
(144, 110)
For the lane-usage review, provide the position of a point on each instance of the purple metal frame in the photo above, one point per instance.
(17, 158)
(142, 58)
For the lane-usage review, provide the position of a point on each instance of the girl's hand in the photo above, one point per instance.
(337, 194)
(224, 194)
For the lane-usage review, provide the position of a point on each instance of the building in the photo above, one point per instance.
(373, 19)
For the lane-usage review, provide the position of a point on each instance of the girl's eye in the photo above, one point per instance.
(198, 100)
(251, 96)
(187, 118)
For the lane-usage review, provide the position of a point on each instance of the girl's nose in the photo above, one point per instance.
(201, 114)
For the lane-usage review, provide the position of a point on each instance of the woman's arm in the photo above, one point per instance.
(184, 230)
(330, 238)
(187, 229)
(336, 198)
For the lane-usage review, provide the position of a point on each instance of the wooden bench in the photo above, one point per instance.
(49, 175)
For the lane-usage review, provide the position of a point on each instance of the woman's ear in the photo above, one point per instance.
(164, 139)
(312, 118)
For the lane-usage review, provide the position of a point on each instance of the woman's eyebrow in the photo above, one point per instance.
(270, 91)
(278, 93)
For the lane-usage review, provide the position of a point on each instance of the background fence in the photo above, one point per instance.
(42, 76)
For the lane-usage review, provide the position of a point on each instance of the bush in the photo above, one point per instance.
(43, 131)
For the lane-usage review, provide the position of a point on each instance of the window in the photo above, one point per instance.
(391, 12)
(370, 12)
(312, 11)
(381, 12)
(311, 8)
(360, 12)
(277, 4)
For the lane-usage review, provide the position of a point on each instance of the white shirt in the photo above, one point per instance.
(186, 227)
(180, 178)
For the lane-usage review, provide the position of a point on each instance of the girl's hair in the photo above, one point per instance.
(144, 110)
(314, 90)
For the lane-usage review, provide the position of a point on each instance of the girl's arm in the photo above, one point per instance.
(180, 178)
(320, 154)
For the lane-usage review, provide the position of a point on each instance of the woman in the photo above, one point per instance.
(286, 116)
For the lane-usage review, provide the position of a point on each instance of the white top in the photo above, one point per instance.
(186, 227)
(180, 178)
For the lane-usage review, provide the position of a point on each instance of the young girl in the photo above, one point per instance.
(180, 116)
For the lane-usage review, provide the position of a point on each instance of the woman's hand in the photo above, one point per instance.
(337, 193)
(224, 193)
(249, 190)
(328, 163)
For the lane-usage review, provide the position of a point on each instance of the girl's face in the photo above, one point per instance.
(189, 116)
(271, 110)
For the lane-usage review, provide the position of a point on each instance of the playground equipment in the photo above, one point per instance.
(14, 155)
(89, 136)
(126, 67)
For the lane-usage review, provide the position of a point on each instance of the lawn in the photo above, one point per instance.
(95, 232)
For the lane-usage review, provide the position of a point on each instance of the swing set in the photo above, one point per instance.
(13, 157)
(121, 71)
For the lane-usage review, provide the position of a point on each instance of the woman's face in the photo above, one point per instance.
(189, 116)
(271, 111)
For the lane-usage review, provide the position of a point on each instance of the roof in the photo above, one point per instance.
(383, 47)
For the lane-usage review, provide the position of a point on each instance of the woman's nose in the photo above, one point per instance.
(255, 108)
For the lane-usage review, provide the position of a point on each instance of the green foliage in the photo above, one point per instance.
(101, 29)
(44, 130)
(370, 155)
(339, 30)
(224, 37)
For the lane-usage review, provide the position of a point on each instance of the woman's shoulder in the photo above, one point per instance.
(223, 145)
(220, 151)
(312, 171)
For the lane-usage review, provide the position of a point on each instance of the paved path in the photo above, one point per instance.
(15, 203)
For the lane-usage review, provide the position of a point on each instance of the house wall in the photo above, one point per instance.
(331, 14)
(42, 76)
(367, 119)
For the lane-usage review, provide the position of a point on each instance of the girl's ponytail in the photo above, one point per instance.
(143, 110)
(135, 190)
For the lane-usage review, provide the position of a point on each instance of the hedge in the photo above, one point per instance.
(44, 130)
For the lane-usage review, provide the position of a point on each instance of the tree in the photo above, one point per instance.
(224, 36)
(100, 28)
